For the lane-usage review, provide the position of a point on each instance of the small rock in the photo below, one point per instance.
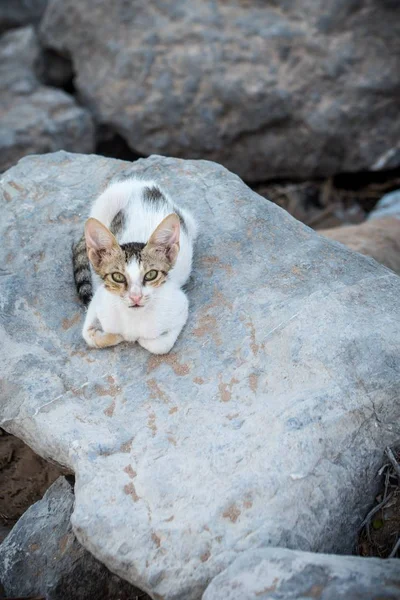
(42, 557)
(379, 238)
(35, 118)
(388, 206)
(280, 574)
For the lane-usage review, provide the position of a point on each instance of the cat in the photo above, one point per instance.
(130, 265)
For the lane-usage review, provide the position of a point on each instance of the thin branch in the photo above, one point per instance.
(394, 462)
(374, 510)
(395, 548)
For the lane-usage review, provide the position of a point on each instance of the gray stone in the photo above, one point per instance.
(388, 206)
(280, 574)
(266, 425)
(35, 118)
(16, 13)
(379, 238)
(276, 89)
(42, 557)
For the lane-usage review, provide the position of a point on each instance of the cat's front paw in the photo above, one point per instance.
(161, 345)
(96, 338)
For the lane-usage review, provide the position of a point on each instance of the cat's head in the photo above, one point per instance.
(133, 271)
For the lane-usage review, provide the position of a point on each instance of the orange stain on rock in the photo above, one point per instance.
(126, 446)
(230, 417)
(109, 411)
(211, 262)
(204, 557)
(129, 471)
(68, 323)
(253, 382)
(232, 513)
(225, 389)
(253, 344)
(130, 490)
(151, 423)
(155, 360)
(112, 389)
(265, 590)
(156, 392)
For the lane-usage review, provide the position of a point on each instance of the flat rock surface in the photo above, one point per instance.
(265, 425)
(35, 118)
(269, 89)
(42, 557)
(280, 574)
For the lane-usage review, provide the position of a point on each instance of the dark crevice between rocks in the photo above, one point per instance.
(24, 478)
(343, 199)
(56, 70)
(111, 144)
(380, 531)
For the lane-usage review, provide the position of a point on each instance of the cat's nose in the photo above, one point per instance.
(136, 299)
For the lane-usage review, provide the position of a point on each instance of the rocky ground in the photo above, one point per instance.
(305, 111)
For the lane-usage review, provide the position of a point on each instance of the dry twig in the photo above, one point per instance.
(395, 548)
(394, 462)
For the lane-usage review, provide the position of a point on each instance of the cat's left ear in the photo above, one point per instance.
(166, 237)
(100, 242)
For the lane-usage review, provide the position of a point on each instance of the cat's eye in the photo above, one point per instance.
(151, 275)
(118, 277)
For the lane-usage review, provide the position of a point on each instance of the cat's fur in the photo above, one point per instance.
(134, 232)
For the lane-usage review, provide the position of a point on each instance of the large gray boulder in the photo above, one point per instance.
(16, 13)
(35, 118)
(267, 422)
(269, 89)
(42, 557)
(279, 574)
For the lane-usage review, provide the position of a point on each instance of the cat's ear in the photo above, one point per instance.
(100, 242)
(166, 237)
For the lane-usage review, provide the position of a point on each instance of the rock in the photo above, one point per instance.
(379, 238)
(266, 425)
(35, 118)
(388, 206)
(42, 557)
(270, 90)
(277, 573)
(16, 13)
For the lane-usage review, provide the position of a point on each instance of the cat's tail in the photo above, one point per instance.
(82, 273)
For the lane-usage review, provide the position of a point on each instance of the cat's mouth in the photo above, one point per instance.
(136, 305)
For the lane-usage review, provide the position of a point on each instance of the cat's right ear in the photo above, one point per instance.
(100, 242)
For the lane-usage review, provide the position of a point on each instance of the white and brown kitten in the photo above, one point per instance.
(140, 247)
